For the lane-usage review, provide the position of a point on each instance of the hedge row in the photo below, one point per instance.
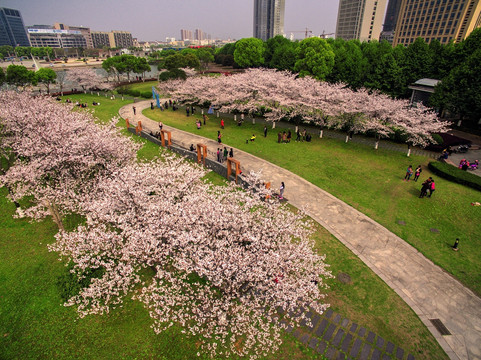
(455, 174)
(135, 93)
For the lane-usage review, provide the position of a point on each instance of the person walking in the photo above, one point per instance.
(231, 153)
(160, 125)
(281, 191)
(265, 131)
(133, 108)
(298, 133)
(279, 137)
(221, 123)
(225, 153)
(187, 111)
(417, 172)
(218, 155)
(432, 188)
(409, 172)
(219, 137)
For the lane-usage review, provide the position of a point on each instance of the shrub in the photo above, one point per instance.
(134, 93)
(172, 74)
(146, 94)
(438, 139)
(452, 173)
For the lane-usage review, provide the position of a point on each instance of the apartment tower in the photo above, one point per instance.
(268, 18)
(360, 19)
(444, 20)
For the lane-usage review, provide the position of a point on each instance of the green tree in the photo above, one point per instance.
(349, 63)
(19, 75)
(205, 56)
(314, 57)
(249, 52)
(2, 76)
(6, 51)
(460, 91)
(284, 57)
(443, 58)
(141, 66)
(46, 76)
(418, 62)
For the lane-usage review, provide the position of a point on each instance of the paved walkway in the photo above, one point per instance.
(425, 287)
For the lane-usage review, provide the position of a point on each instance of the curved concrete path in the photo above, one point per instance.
(425, 287)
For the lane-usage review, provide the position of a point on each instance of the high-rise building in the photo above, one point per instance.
(268, 18)
(444, 20)
(199, 35)
(12, 29)
(120, 39)
(360, 19)
(85, 31)
(392, 13)
(186, 35)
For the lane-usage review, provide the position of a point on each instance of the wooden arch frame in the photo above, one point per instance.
(201, 153)
(231, 161)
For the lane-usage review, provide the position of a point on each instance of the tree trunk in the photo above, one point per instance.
(320, 133)
(409, 150)
(254, 120)
(273, 124)
(56, 215)
(347, 138)
(235, 117)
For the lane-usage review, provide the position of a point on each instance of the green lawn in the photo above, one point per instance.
(372, 182)
(144, 86)
(34, 324)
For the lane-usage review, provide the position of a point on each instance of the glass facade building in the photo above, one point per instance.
(268, 18)
(12, 29)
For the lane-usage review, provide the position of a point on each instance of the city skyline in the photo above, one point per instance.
(156, 20)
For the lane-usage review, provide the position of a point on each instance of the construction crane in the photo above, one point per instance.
(324, 35)
(306, 32)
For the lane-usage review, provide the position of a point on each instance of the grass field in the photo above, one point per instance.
(372, 182)
(33, 323)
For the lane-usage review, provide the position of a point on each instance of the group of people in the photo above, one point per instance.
(427, 188)
(409, 173)
(428, 185)
(303, 135)
(465, 164)
(223, 153)
(284, 137)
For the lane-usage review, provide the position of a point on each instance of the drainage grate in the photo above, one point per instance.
(440, 326)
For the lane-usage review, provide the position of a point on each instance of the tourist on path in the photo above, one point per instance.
(133, 108)
(151, 105)
(225, 153)
(281, 191)
(160, 125)
(417, 172)
(409, 172)
(231, 153)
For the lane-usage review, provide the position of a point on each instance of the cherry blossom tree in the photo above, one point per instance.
(85, 77)
(229, 267)
(285, 96)
(57, 152)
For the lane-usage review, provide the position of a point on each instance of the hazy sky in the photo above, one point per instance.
(157, 19)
